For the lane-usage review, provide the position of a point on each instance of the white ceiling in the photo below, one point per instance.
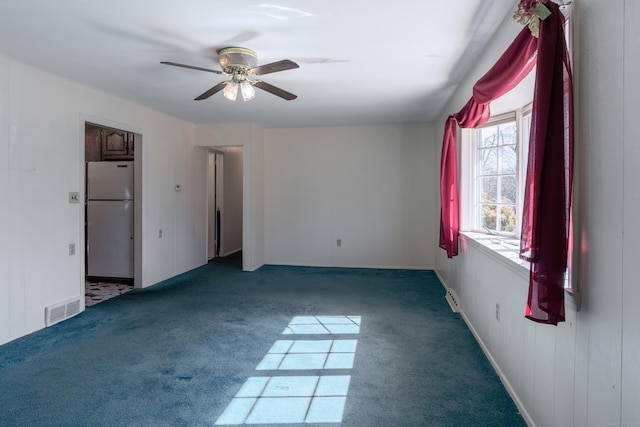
(361, 62)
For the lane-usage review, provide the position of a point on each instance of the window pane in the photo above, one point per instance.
(508, 219)
(488, 137)
(508, 189)
(508, 159)
(488, 161)
(507, 133)
(488, 190)
(488, 214)
(496, 177)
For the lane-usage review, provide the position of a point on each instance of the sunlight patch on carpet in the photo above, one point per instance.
(288, 400)
(299, 399)
(309, 354)
(310, 325)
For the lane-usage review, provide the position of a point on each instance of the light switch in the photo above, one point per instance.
(74, 197)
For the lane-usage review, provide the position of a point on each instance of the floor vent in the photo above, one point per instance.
(453, 300)
(61, 311)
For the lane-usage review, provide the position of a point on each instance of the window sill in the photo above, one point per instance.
(500, 248)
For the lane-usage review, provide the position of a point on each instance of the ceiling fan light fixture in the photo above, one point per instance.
(248, 92)
(241, 63)
(231, 91)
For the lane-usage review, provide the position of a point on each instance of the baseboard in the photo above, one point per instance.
(442, 282)
(235, 251)
(370, 267)
(505, 381)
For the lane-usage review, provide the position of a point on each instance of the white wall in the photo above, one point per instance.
(254, 199)
(41, 161)
(629, 299)
(369, 186)
(583, 372)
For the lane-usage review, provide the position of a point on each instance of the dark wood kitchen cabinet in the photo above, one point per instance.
(117, 144)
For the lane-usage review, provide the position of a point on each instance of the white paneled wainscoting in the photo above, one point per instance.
(491, 293)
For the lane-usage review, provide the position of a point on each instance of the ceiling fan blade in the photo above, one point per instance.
(273, 67)
(319, 60)
(274, 90)
(175, 64)
(216, 88)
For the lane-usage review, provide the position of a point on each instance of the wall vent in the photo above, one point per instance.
(61, 311)
(453, 300)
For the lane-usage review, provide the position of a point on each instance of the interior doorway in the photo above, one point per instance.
(224, 201)
(111, 237)
(214, 203)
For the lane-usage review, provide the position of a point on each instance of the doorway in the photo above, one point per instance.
(214, 203)
(110, 214)
(224, 201)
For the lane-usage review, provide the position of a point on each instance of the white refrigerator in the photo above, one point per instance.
(110, 201)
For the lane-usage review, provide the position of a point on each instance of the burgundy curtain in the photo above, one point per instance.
(547, 203)
(511, 68)
(545, 225)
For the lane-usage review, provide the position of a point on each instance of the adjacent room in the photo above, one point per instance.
(420, 213)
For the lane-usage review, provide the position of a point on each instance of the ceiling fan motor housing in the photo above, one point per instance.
(234, 60)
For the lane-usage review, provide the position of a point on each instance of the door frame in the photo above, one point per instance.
(138, 259)
(215, 202)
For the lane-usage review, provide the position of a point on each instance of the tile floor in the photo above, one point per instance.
(96, 292)
(299, 399)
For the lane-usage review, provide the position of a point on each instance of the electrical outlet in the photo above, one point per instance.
(160, 233)
(497, 312)
(72, 248)
(339, 242)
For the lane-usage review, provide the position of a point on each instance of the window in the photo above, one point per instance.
(496, 164)
(497, 169)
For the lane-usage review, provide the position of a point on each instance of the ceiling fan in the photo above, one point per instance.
(241, 63)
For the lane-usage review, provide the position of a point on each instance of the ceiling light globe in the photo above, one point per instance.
(231, 91)
(248, 92)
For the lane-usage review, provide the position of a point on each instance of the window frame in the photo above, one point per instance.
(469, 163)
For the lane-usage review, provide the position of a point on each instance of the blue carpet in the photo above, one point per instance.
(176, 354)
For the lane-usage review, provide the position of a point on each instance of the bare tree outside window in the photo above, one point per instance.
(496, 179)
